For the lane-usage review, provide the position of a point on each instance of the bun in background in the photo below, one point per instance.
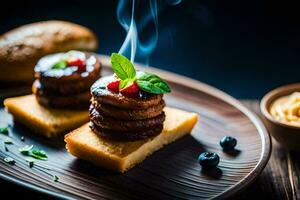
(21, 48)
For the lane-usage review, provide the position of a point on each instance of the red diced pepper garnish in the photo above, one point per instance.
(78, 63)
(114, 86)
(130, 90)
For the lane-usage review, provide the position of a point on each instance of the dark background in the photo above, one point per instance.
(242, 47)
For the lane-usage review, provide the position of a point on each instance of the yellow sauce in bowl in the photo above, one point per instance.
(286, 109)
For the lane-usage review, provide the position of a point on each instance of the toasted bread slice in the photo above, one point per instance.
(42, 120)
(121, 156)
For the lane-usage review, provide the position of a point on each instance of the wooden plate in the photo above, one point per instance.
(171, 173)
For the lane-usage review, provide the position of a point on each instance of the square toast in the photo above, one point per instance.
(121, 156)
(42, 120)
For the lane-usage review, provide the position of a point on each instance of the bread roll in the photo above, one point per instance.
(21, 48)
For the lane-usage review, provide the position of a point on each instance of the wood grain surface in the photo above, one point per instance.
(171, 173)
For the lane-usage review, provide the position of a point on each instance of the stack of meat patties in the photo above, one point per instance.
(119, 117)
(66, 87)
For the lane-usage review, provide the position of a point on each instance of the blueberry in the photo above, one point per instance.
(208, 160)
(228, 143)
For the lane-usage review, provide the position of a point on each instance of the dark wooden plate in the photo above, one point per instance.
(171, 173)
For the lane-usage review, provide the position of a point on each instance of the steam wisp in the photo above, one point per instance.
(132, 45)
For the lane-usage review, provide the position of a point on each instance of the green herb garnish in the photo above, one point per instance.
(35, 153)
(125, 71)
(9, 160)
(122, 67)
(39, 154)
(62, 64)
(26, 149)
(55, 178)
(4, 130)
(152, 83)
(30, 162)
(8, 141)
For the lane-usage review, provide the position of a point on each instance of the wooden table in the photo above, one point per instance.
(279, 180)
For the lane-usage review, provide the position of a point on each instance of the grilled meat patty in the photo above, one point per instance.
(68, 80)
(43, 70)
(54, 100)
(126, 135)
(127, 118)
(104, 96)
(73, 102)
(68, 86)
(124, 125)
(128, 114)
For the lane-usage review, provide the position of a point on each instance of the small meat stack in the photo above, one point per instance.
(127, 115)
(63, 80)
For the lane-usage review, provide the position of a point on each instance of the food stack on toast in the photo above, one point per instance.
(128, 119)
(61, 93)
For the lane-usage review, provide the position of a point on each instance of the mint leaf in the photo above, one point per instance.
(62, 64)
(4, 130)
(39, 154)
(26, 149)
(152, 83)
(122, 66)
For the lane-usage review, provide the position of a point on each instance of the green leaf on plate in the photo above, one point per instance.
(55, 178)
(9, 160)
(39, 154)
(35, 153)
(8, 141)
(26, 149)
(4, 130)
